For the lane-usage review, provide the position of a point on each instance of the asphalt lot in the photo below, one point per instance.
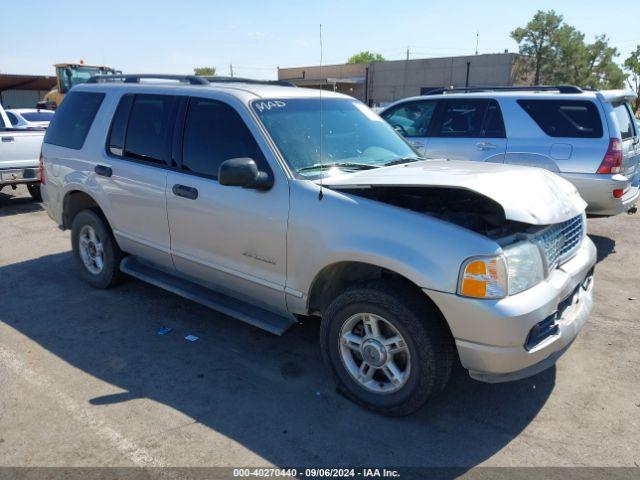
(86, 381)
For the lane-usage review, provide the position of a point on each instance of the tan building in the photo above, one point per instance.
(24, 91)
(379, 83)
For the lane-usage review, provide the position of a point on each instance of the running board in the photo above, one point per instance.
(256, 316)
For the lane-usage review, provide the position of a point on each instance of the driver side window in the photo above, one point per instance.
(411, 119)
(215, 132)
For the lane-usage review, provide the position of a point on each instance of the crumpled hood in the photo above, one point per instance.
(530, 195)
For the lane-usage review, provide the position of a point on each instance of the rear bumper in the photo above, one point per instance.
(597, 191)
(490, 335)
(12, 176)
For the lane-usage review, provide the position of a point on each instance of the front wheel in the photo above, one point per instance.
(97, 256)
(388, 348)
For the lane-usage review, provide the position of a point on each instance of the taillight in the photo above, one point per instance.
(612, 161)
(618, 192)
(41, 168)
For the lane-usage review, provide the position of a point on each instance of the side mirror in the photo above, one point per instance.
(243, 172)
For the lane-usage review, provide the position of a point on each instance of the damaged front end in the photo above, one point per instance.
(465, 208)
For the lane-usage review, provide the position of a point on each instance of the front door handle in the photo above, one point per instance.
(103, 170)
(185, 192)
(8, 139)
(485, 146)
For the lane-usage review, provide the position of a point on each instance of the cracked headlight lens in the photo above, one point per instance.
(524, 266)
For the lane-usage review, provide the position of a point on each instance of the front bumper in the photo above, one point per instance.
(9, 176)
(597, 191)
(490, 335)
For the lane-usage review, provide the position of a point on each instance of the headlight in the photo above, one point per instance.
(524, 266)
(483, 277)
(497, 276)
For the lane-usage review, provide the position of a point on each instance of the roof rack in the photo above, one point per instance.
(533, 88)
(136, 77)
(253, 81)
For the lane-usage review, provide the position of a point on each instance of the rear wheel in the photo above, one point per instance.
(34, 191)
(388, 348)
(96, 253)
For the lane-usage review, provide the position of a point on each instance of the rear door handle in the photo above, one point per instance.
(8, 139)
(185, 192)
(485, 146)
(103, 170)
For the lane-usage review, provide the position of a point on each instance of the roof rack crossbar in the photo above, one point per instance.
(252, 81)
(517, 88)
(136, 77)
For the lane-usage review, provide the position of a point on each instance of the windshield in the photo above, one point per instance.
(72, 76)
(353, 137)
(39, 116)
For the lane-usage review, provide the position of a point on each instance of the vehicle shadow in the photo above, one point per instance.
(270, 394)
(15, 205)
(604, 245)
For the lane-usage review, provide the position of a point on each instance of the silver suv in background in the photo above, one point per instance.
(235, 195)
(587, 137)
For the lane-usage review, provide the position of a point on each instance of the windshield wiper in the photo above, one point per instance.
(399, 161)
(350, 165)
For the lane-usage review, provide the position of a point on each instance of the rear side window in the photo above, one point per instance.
(493, 124)
(12, 118)
(149, 129)
(411, 119)
(460, 118)
(625, 122)
(72, 121)
(565, 118)
(119, 126)
(2, 125)
(213, 133)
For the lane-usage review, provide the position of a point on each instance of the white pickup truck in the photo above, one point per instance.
(19, 156)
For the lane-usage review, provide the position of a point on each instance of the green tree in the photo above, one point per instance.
(632, 65)
(366, 57)
(557, 53)
(204, 71)
(535, 40)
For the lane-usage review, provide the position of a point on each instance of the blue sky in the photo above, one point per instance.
(174, 37)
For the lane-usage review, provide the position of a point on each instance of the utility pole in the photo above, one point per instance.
(477, 40)
(407, 53)
(231, 69)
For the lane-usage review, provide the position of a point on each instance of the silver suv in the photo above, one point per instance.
(589, 138)
(272, 203)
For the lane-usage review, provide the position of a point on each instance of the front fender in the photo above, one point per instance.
(345, 228)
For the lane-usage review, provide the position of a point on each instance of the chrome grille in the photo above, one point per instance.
(559, 242)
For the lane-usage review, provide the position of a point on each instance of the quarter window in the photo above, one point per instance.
(624, 120)
(565, 118)
(411, 119)
(214, 132)
(72, 121)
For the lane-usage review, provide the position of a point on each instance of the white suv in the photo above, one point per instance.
(590, 138)
(237, 196)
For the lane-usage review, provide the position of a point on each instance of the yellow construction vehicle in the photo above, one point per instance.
(68, 75)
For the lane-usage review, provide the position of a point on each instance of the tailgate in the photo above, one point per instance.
(19, 148)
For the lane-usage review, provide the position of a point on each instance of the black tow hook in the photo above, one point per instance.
(633, 210)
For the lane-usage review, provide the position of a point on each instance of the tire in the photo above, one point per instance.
(100, 274)
(428, 358)
(34, 191)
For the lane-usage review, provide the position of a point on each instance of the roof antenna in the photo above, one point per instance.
(321, 194)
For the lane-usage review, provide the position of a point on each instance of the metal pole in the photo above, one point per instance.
(466, 82)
